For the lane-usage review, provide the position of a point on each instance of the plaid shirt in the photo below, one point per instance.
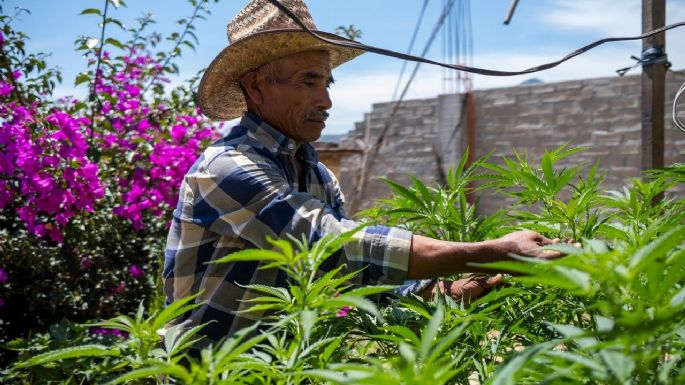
(244, 188)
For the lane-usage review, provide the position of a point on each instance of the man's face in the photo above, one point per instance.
(294, 98)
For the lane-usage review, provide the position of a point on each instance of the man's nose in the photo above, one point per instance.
(324, 99)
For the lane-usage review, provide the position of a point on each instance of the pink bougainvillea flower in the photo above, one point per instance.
(136, 271)
(56, 234)
(5, 89)
(343, 311)
(4, 277)
(85, 263)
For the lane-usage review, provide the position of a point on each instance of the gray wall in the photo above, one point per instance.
(408, 148)
(603, 113)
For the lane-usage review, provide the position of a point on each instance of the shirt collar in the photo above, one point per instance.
(275, 141)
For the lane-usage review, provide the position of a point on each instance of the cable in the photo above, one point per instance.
(411, 46)
(476, 70)
(445, 11)
(676, 120)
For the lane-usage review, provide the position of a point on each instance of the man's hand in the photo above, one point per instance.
(466, 289)
(525, 243)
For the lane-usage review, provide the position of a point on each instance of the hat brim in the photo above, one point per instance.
(219, 95)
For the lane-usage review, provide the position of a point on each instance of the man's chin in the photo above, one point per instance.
(314, 133)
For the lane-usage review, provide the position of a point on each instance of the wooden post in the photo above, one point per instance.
(653, 87)
(470, 136)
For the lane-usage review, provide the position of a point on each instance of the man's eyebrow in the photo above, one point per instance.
(316, 75)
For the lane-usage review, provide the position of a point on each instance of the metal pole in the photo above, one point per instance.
(653, 87)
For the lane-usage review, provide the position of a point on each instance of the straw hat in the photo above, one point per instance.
(259, 34)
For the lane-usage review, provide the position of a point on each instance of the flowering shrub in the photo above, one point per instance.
(87, 186)
(45, 168)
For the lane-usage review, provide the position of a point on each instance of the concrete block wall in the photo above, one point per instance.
(408, 148)
(603, 113)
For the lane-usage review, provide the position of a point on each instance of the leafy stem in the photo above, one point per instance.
(180, 40)
(93, 97)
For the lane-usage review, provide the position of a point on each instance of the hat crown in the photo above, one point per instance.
(261, 15)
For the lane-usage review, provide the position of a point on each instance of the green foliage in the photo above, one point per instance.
(610, 312)
(441, 212)
(37, 79)
(635, 302)
(349, 32)
(321, 294)
(542, 186)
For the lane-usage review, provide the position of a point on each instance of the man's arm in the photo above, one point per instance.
(430, 258)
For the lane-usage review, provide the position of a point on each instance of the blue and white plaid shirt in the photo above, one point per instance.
(241, 190)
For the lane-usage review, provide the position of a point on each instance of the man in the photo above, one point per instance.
(264, 180)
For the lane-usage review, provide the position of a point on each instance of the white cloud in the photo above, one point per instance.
(597, 63)
(607, 17)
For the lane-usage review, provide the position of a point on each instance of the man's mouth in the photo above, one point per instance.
(319, 116)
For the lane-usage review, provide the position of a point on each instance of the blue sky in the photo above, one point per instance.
(541, 31)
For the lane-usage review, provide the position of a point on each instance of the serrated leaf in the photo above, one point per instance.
(618, 364)
(404, 332)
(506, 373)
(431, 331)
(370, 290)
(252, 255)
(72, 352)
(307, 320)
(356, 301)
(658, 248)
(158, 368)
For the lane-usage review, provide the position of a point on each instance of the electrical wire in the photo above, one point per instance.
(411, 46)
(680, 124)
(476, 70)
(441, 20)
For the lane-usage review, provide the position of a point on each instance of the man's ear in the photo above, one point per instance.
(251, 82)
